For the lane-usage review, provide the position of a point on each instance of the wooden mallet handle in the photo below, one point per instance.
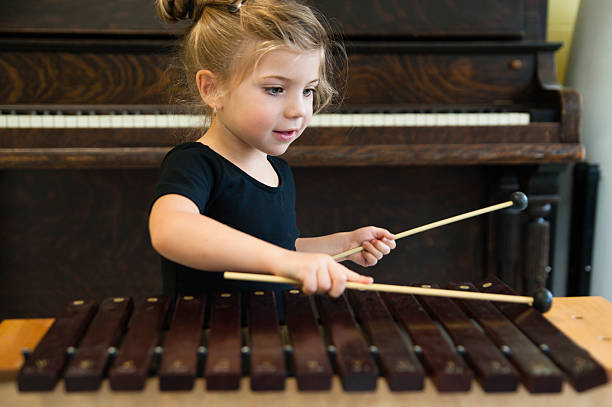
(518, 201)
(541, 301)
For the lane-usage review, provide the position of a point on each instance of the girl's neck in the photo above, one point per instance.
(250, 160)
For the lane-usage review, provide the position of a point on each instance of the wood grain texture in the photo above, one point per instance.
(15, 336)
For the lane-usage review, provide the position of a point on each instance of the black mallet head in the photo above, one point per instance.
(519, 200)
(542, 300)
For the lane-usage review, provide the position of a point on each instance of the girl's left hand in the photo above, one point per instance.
(376, 243)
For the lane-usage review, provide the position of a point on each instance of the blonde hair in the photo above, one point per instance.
(230, 42)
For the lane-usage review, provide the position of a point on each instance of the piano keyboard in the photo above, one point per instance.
(57, 120)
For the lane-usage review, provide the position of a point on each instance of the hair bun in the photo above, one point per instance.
(172, 11)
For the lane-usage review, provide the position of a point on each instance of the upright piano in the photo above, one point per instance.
(449, 106)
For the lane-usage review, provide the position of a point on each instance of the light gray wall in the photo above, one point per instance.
(589, 71)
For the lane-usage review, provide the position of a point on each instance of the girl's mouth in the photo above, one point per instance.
(286, 135)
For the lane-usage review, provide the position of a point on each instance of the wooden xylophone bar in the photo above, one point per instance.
(401, 337)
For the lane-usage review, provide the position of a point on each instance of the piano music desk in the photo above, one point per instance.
(586, 320)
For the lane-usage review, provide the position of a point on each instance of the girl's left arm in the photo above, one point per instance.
(376, 243)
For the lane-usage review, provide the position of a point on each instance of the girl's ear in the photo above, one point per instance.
(208, 87)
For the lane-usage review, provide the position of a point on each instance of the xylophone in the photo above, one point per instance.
(359, 337)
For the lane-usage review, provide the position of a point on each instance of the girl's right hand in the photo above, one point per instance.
(319, 273)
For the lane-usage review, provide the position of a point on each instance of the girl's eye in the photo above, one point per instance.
(274, 91)
(309, 92)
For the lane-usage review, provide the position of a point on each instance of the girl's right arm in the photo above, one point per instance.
(180, 233)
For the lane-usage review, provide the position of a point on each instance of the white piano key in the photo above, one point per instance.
(70, 121)
(59, 121)
(410, 119)
(399, 120)
(430, 120)
(47, 121)
(503, 119)
(345, 120)
(173, 121)
(327, 120)
(483, 119)
(93, 120)
(472, 119)
(441, 119)
(184, 120)
(148, 120)
(105, 121)
(420, 119)
(23, 121)
(356, 120)
(161, 120)
(461, 119)
(379, 120)
(3, 121)
(493, 119)
(368, 120)
(127, 120)
(116, 121)
(82, 121)
(37, 121)
(12, 121)
(138, 120)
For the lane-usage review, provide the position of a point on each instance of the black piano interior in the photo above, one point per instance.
(450, 105)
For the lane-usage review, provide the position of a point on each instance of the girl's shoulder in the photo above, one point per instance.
(190, 153)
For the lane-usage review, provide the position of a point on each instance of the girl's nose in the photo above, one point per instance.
(296, 107)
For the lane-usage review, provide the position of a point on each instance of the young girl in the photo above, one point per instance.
(226, 201)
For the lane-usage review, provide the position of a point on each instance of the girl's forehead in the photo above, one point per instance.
(289, 64)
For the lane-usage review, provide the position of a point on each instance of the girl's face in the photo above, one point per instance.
(272, 106)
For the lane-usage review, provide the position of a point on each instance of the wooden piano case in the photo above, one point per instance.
(75, 201)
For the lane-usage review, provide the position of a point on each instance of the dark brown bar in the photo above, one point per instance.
(131, 366)
(41, 370)
(493, 370)
(448, 371)
(399, 363)
(313, 136)
(582, 370)
(355, 365)
(538, 373)
(310, 361)
(87, 368)
(267, 369)
(180, 359)
(223, 360)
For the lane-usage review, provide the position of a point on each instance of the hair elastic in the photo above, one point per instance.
(234, 8)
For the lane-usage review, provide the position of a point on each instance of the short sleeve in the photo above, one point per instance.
(187, 172)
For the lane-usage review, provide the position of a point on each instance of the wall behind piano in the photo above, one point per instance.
(588, 71)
